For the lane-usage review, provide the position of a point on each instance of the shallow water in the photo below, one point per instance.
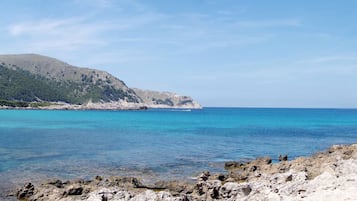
(159, 144)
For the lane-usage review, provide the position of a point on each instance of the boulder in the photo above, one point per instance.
(75, 190)
(283, 157)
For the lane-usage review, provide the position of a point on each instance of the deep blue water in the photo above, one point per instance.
(168, 143)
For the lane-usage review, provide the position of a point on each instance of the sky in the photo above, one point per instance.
(231, 53)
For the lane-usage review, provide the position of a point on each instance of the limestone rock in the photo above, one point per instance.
(26, 192)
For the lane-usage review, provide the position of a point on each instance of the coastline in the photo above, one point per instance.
(119, 105)
(327, 175)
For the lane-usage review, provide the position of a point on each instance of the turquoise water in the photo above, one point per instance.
(160, 143)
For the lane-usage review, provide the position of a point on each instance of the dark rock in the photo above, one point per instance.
(246, 190)
(204, 176)
(58, 183)
(233, 165)
(200, 188)
(243, 177)
(289, 178)
(283, 157)
(78, 181)
(253, 168)
(257, 174)
(264, 160)
(75, 191)
(98, 178)
(143, 108)
(283, 169)
(215, 193)
(185, 198)
(221, 177)
(26, 192)
(331, 150)
(301, 191)
(104, 198)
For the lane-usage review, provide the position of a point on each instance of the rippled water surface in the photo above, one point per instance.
(159, 143)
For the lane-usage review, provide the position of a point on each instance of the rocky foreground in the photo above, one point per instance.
(329, 175)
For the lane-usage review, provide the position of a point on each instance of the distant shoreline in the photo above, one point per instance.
(145, 107)
(120, 105)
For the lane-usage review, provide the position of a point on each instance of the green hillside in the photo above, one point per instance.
(36, 80)
(21, 85)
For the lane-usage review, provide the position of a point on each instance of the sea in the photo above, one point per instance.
(159, 144)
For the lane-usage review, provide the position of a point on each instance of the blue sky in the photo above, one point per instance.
(222, 53)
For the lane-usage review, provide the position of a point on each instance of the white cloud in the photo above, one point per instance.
(333, 59)
(44, 26)
(268, 23)
(193, 32)
(77, 32)
(95, 3)
(120, 57)
(63, 34)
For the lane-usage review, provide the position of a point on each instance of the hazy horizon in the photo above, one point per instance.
(225, 53)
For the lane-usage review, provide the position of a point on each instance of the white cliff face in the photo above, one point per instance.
(155, 99)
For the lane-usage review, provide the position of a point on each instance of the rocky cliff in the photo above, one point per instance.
(29, 78)
(155, 99)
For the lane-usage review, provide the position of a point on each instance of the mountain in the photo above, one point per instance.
(38, 79)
